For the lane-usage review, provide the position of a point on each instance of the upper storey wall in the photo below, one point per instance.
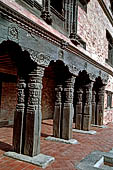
(92, 28)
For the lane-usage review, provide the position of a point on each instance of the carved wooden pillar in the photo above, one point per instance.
(68, 109)
(19, 116)
(57, 123)
(100, 106)
(46, 12)
(79, 105)
(33, 113)
(87, 110)
(93, 107)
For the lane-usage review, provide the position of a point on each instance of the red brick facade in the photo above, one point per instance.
(92, 26)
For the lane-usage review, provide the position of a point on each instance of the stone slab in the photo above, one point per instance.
(39, 160)
(94, 161)
(102, 126)
(71, 141)
(90, 132)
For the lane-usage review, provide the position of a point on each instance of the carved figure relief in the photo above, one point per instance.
(13, 33)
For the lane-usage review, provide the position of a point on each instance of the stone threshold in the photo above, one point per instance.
(40, 160)
(99, 126)
(71, 141)
(90, 132)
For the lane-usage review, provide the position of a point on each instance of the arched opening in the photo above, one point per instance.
(82, 101)
(13, 64)
(8, 83)
(53, 95)
(97, 102)
(16, 65)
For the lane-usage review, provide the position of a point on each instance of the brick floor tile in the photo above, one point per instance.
(66, 155)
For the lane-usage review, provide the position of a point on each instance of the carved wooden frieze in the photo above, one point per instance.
(39, 58)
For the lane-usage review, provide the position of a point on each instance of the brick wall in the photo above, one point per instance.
(48, 97)
(92, 28)
(8, 102)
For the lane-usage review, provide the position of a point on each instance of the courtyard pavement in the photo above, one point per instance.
(66, 155)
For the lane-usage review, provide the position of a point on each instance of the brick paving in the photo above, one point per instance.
(66, 155)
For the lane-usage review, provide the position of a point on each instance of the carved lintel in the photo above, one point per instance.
(39, 58)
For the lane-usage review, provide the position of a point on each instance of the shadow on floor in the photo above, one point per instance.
(5, 147)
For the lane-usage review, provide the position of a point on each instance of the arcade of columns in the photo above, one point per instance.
(87, 109)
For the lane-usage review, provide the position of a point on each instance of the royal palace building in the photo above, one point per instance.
(56, 62)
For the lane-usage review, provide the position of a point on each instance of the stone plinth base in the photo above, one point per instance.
(90, 132)
(71, 141)
(102, 126)
(39, 160)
